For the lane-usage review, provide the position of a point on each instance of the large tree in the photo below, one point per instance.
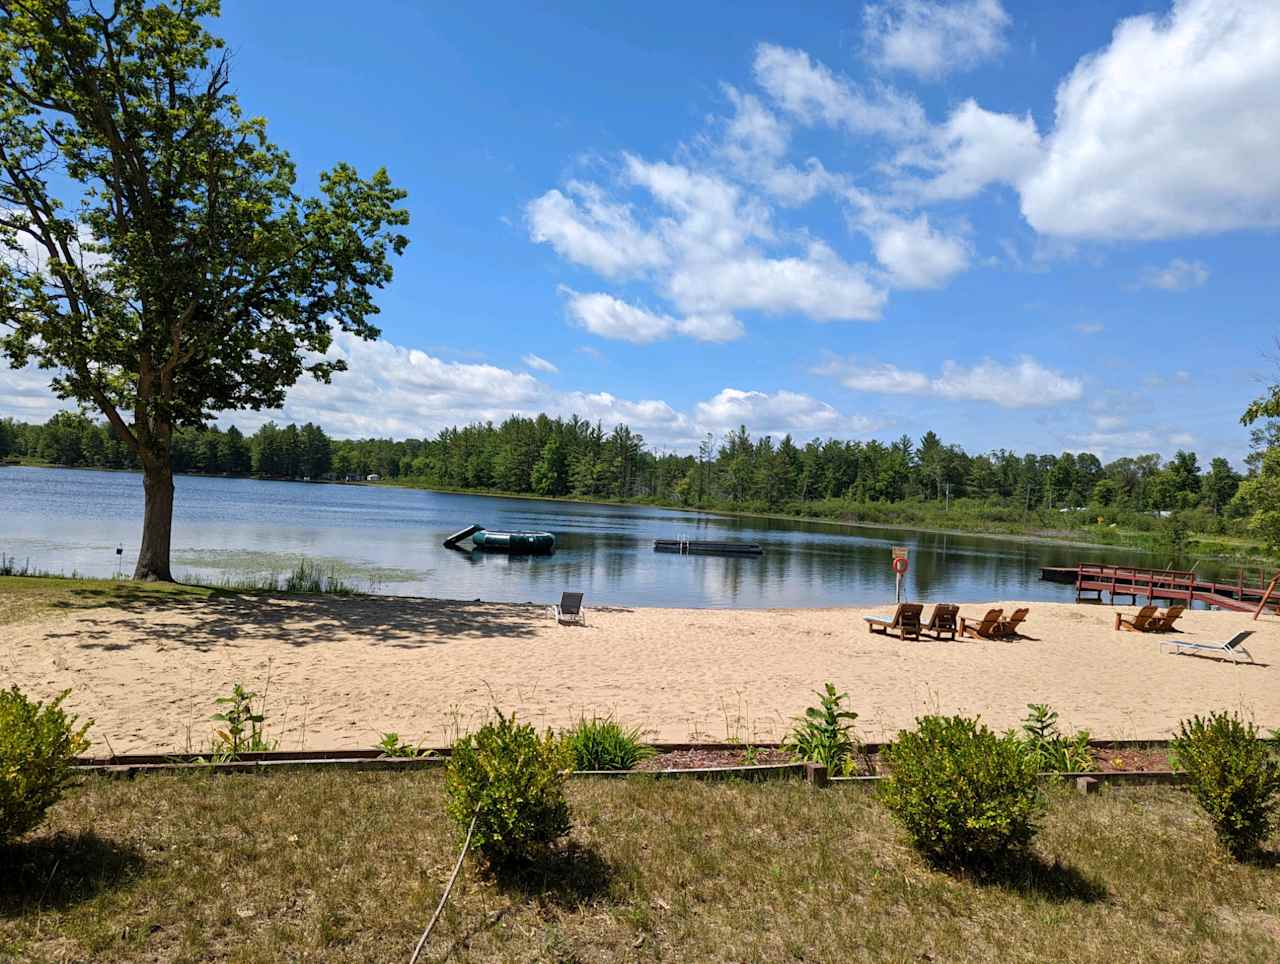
(154, 255)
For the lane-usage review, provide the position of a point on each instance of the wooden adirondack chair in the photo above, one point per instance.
(1008, 628)
(987, 627)
(906, 621)
(943, 620)
(1139, 621)
(1164, 622)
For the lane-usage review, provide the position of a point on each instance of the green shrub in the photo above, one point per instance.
(965, 795)
(245, 730)
(604, 744)
(513, 780)
(1233, 777)
(391, 745)
(1053, 752)
(825, 734)
(37, 742)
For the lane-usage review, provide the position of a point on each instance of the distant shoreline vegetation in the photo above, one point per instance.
(1172, 508)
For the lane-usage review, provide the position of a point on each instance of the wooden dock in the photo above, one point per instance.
(703, 547)
(1164, 585)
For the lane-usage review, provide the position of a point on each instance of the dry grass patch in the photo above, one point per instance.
(24, 597)
(347, 867)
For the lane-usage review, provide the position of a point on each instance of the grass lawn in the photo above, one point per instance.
(348, 867)
(22, 597)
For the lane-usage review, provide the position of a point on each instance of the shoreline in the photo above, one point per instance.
(341, 671)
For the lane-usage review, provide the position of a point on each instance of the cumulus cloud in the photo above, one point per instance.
(609, 317)
(974, 147)
(814, 94)
(931, 38)
(777, 414)
(1023, 384)
(1166, 132)
(915, 254)
(1177, 275)
(25, 394)
(588, 229)
(539, 364)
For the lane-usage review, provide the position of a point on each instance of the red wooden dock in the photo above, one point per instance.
(1171, 585)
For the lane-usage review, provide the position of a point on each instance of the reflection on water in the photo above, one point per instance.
(67, 520)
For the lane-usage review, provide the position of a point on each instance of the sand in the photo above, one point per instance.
(343, 671)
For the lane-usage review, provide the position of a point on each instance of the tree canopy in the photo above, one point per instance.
(154, 255)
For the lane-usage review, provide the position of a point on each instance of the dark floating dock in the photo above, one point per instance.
(703, 547)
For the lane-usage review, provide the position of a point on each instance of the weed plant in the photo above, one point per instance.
(604, 744)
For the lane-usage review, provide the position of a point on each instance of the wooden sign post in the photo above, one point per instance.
(900, 566)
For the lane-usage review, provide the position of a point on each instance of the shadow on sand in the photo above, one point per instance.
(201, 622)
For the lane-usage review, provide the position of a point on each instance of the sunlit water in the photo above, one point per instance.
(390, 539)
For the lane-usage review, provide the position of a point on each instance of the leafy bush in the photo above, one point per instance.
(1053, 752)
(37, 743)
(392, 745)
(825, 734)
(1233, 777)
(605, 745)
(512, 780)
(964, 794)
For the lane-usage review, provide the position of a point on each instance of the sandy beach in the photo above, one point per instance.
(344, 670)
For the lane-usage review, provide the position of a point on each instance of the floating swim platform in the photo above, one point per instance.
(490, 540)
(705, 547)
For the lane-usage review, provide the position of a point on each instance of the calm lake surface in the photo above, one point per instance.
(390, 540)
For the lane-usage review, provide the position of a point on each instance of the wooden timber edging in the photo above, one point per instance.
(439, 754)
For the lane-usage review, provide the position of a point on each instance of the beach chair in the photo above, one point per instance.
(943, 620)
(906, 621)
(1140, 620)
(988, 626)
(1231, 649)
(570, 610)
(1008, 628)
(1164, 622)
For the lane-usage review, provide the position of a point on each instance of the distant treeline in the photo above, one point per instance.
(571, 457)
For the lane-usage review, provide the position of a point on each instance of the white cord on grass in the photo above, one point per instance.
(448, 887)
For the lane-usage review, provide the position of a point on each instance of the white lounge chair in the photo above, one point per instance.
(1231, 649)
(570, 609)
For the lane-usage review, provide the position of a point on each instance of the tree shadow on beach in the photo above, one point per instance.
(202, 622)
(59, 871)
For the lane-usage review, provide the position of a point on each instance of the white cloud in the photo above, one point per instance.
(609, 317)
(1177, 275)
(593, 231)
(539, 364)
(812, 93)
(1182, 439)
(973, 148)
(1167, 131)
(25, 393)
(915, 254)
(1024, 384)
(1090, 327)
(778, 414)
(931, 38)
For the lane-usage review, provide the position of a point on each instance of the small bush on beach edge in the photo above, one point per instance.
(1234, 778)
(605, 744)
(37, 744)
(511, 780)
(965, 796)
(825, 734)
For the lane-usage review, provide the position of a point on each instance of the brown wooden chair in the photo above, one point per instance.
(1139, 622)
(943, 620)
(906, 621)
(988, 626)
(1008, 628)
(1164, 622)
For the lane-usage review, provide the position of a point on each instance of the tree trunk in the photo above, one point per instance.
(157, 521)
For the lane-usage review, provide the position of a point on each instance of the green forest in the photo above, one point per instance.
(1142, 500)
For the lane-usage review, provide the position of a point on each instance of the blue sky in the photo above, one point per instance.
(1033, 226)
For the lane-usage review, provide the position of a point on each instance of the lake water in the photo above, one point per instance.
(390, 539)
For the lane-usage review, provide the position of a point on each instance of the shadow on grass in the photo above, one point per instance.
(59, 871)
(1030, 875)
(568, 877)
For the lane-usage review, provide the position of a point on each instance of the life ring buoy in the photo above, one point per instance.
(900, 565)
